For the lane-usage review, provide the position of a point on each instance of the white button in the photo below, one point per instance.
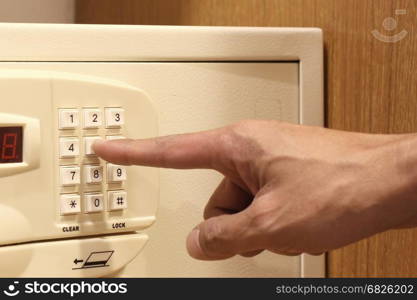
(70, 204)
(69, 147)
(93, 174)
(116, 173)
(88, 142)
(93, 203)
(114, 117)
(92, 117)
(114, 137)
(117, 200)
(68, 118)
(70, 175)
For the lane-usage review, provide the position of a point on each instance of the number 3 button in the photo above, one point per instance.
(93, 203)
(114, 117)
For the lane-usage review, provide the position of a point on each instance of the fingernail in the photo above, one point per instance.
(193, 244)
(98, 142)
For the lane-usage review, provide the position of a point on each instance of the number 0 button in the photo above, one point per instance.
(93, 203)
(114, 117)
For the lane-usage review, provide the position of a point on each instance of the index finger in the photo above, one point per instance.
(183, 151)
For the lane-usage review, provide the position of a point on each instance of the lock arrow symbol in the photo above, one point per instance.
(76, 261)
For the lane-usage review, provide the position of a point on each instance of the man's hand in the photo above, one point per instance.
(287, 188)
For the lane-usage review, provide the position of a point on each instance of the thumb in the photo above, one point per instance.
(224, 236)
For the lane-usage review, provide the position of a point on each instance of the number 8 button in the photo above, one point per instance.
(93, 174)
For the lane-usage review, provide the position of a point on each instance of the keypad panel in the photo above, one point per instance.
(89, 185)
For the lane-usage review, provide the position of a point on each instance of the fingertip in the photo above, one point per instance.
(98, 144)
(193, 245)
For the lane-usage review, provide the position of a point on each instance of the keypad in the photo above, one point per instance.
(88, 185)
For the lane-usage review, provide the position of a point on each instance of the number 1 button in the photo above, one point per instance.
(114, 117)
(68, 118)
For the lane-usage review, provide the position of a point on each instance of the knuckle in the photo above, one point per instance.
(261, 220)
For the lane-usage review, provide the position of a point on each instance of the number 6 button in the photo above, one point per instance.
(114, 117)
(116, 173)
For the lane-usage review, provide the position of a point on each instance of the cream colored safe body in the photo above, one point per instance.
(167, 80)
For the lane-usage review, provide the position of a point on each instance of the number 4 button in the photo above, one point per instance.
(69, 147)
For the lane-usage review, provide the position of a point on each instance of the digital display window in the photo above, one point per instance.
(11, 144)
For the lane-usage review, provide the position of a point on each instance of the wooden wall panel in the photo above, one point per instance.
(371, 85)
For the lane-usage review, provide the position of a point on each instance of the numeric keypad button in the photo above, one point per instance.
(114, 117)
(93, 174)
(69, 147)
(70, 175)
(93, 203)
(116, 173)
(68, 118)
(92, 118)
(117, 200)
(70, 204)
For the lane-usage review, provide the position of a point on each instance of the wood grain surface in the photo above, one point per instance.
(371, 85)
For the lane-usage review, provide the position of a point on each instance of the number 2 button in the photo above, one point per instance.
(92, 117)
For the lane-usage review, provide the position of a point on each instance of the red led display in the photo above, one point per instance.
(11, 144)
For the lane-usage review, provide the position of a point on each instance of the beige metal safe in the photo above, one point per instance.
(63, 86)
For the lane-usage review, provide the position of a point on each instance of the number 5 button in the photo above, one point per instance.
(116, 173)
(114, 117)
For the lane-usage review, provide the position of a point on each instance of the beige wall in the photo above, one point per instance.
(37, 11)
